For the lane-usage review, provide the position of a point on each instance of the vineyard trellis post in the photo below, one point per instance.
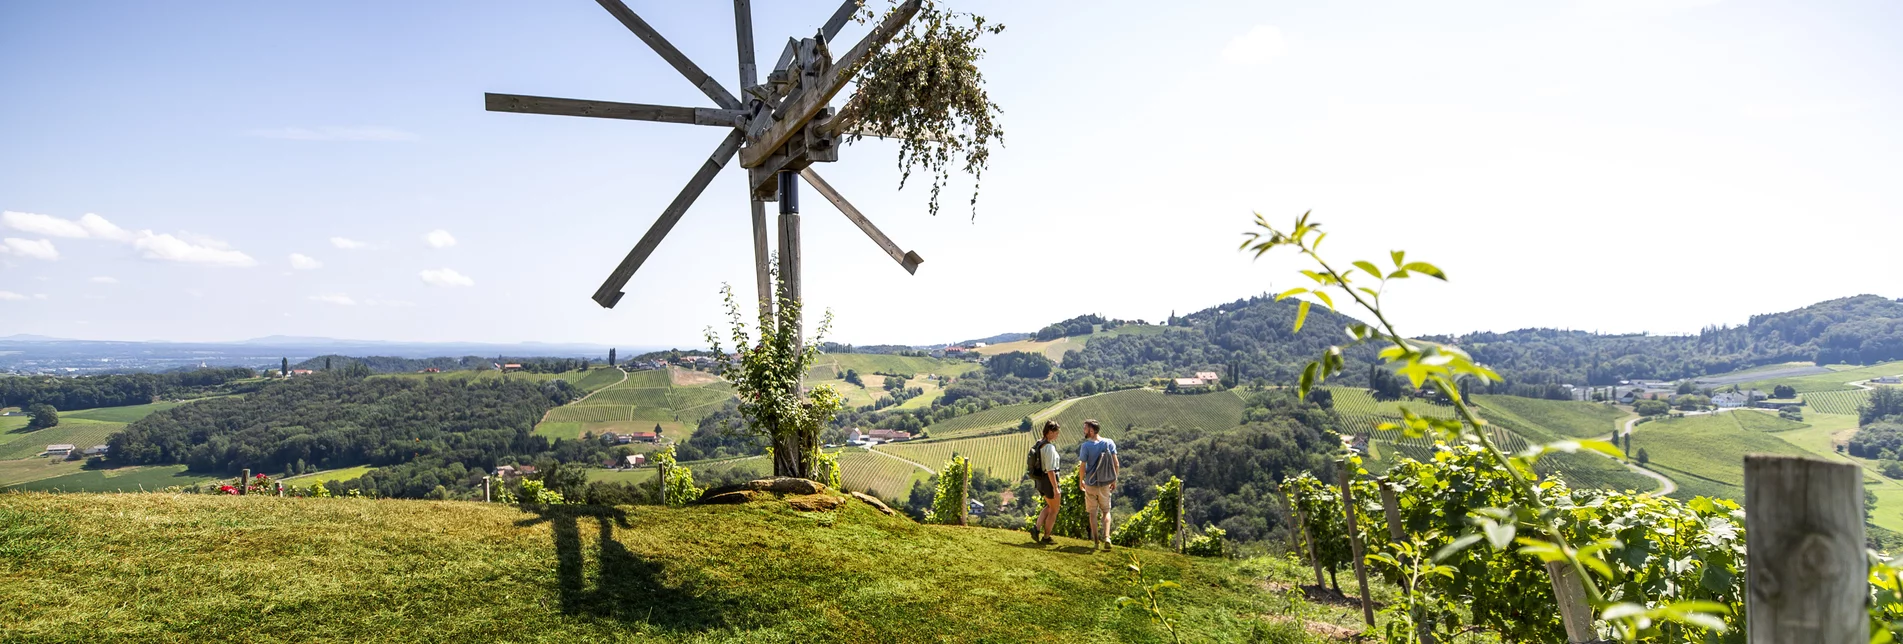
(1288, 514)
(1314, 549)
(280, 491)
(244, 481)
(1354, 543)
(1575, 611)
(964, 498)
(485, 490)
(1804, 549)
(1179, 520)
(1391, 508)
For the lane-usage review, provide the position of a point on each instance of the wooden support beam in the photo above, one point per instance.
(762, 258)
(522, 104)
(840, 17)
(743, 34)
(681, 63)
(1804, 551)
(610, 291)
(802, 110)
(907, 259)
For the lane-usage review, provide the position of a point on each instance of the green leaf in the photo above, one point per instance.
(1290, 293)
(1499, 535)
(1602, 447)
(1454, 548)
(1368, 266)
(1397, 255)
(1325, 299)
(1621, 611)
(1308, 377)
(1301, 315)
(1429, 269)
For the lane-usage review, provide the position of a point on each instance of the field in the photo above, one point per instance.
(212, 568)
(754, 465)
(345, 474)
(23, 470)
(1054, 349)
(880, 476)
(832, 366)
(995, 418)
(1704, 454)
(1214, 411)
(1564, 417)
(1002, 454)
(124, 479)
(1832, 381)
(83, 433)
(673, 399)
(589, 380)
(124, 415)
(1836, 402)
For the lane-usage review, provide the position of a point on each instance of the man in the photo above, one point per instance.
(1043, 471)
(1097, 470)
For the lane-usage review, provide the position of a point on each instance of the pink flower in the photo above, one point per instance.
(227, 489)
(260, 476)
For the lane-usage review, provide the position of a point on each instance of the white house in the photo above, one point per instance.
(62, 449)
(97, 450)
(855, 437)
(1889, 380)
(1209, 376)
(1730, 400)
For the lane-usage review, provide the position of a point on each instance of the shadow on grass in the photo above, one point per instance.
(625, 586)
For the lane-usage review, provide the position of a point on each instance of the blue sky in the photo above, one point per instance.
(1606, 164)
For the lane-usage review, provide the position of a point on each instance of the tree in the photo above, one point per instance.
(1791, 412)
(1651, 407)
(768, 377)
(1686, 387)
(1883, 402)
(1783, 391)
(611, 357)
(852, 378)
(1644, 458)
(1025, 425)
(327, 363)
(284, 367)
(44, 416)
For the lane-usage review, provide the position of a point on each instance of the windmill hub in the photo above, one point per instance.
(784, 126)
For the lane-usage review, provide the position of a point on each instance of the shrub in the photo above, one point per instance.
(949, 504)
(1207, 544)
(1156, 522)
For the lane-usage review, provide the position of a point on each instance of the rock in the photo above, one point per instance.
(786, 485)
(815, 502)
(736, 497)
(707, 496)
(874, 502)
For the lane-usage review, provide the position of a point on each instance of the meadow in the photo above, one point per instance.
(1833, 381)
(673, 399)
(19, 443)
(998, 418)
(147, 478)
(1836, 402)
(1054, 349)
(1704, 454)
(446, 571)
(1568, 418)
(344, 474)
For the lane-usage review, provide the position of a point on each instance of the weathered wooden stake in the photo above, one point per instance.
(1575, 611)
(1288, 513)
(244, 481)
(1804, 548)
(280, 488)
(1314, 549)
(1354, 544)
(964, 512)
(485, 490)
(1391, 508)
(1179, 518)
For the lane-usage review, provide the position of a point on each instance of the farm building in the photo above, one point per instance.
(644, 437)
(1730, 400)
(1189, 384)
(635, 460)
(1208, 376)
(61, 449)
(888, 435)
(1889, 380)
(97, 450)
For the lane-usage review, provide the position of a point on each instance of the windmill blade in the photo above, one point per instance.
(762, 258)
(610, 291)
(841, 16)
(647, 34)
(907, 259)
(522, 104)
(812, 99)
(743, 35)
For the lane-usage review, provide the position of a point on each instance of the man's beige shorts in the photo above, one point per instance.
(1097, 499)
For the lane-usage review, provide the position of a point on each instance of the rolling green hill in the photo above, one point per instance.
(1705, 454)
(1563, 417)
(673, 399)
(85, 567)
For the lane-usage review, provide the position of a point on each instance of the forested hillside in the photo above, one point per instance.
(116, 390)
(1865, 329)
(333, 420)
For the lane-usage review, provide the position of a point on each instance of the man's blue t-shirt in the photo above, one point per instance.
(1089, 451)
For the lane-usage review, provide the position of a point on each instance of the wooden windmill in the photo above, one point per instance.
(779, 129)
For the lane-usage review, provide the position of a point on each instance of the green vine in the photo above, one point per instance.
(768, 375)
(949, 504)
(924, 89)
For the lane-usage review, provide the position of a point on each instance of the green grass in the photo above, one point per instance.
(200, 568)
(1705, 454)
(753, 465)
(1564, 417)
(995, 418)
(572, 430)
(868, 363)
(345, 474)
(124, 479)
(125, 415)
(1002, 454)
(80, 432)
(1833, 381)
(23, 470)
(1836, 402)
(880, 476)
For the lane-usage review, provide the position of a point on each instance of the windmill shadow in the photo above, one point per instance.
(624, 586)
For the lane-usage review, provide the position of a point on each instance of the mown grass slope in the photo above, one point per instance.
(1565, 417)
(1704, 454)
(191, 568)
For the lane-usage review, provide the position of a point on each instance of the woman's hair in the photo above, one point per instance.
(1050, 427)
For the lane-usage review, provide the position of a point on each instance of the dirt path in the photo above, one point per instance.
(1666, 485)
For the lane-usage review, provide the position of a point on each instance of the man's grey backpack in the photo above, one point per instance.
(1102, 472)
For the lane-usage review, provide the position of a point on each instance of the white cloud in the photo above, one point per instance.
(10, 295)
(42, 224)
(42, 249)
(39, 296)
(334, 298)
(446, 277)
(104, 279)
(304, 262)
(439, 238)
(357, 133)
(1261, 45)
(191, 250)
(347, 243)
(102, 229)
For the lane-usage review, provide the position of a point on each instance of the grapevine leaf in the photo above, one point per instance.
(1498, 534)
(1301, 315)
(1290, 293)
(1456, 546)
(1326, 300)
(1602, 447)
(1429, 269)
(1369, 267)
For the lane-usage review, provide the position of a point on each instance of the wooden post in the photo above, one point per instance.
(1804, 539)
(964, 511)
(485, 490)
(1314, 549)
(1288, 513)
(280, 488)
(244, 481)
(1575, 612)
(1179, 517)
(1391, 508)
(1354, 544)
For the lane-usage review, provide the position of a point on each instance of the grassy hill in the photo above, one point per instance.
(672, 398)
(1054, 349)
(20, 469)
(1563, 417)
(1705, 453)
(85, 567)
